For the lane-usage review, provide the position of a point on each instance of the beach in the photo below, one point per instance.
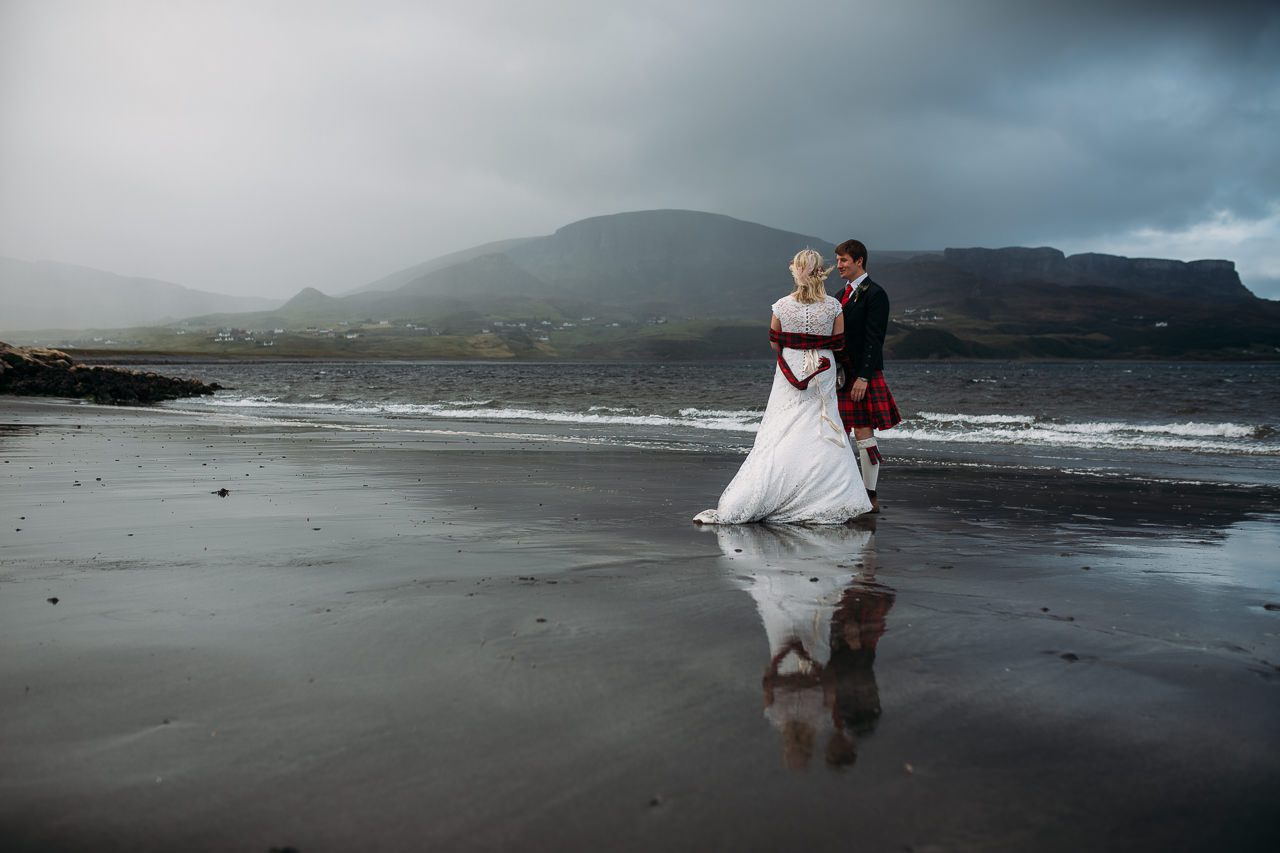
(388, 640)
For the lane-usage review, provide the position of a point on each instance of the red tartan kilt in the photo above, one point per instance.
(876, 409)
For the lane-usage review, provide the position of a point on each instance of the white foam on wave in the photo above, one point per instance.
(1189, 429)
(929, 427)
(275, 403)
(986, 435)
(1069, 435)
(731, 424)
(585, 440)
(465, 403)
(947, 417)
(731, 421)
(720, 413)
(248, 402)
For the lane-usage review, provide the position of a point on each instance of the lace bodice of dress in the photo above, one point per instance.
(815, 318)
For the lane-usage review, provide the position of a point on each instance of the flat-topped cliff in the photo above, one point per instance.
(1213, 278)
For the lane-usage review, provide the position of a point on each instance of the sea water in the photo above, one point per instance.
(1210, 422)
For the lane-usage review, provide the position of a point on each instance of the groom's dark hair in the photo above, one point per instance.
(854, 250)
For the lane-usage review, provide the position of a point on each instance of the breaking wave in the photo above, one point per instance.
(1009, 429)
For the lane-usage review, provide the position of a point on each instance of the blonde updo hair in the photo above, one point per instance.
(810, 273)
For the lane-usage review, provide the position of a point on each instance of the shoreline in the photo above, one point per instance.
(385, 640)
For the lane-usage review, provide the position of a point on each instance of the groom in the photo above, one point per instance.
(866, 403)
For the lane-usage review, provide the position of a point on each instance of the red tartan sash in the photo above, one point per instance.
(799, 340)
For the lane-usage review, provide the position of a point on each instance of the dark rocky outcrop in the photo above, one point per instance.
(1040, 303)
(1156, 276)
(43, 372)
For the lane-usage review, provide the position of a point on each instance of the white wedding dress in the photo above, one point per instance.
(801, 469)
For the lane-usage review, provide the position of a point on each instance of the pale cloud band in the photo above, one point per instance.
(1254, 245)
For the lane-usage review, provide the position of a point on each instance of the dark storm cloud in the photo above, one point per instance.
(265, 147)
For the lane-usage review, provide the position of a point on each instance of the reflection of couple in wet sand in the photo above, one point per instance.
(802, 467)
(823, 625)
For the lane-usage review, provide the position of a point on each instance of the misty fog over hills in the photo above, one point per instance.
(402, 277)
(48, 295)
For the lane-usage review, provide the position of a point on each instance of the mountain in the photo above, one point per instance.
(398, 279)
(46, 295)
(628, 266)
(685, 284)
(677, 262)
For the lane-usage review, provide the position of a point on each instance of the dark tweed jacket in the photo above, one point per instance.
(865, 323)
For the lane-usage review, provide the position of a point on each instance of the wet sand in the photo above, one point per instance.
(383, 641)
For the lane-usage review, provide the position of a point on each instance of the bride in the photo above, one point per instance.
(801, 468)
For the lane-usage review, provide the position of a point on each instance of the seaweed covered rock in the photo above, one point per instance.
(44, 372)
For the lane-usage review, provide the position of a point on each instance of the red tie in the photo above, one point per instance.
(848, 289)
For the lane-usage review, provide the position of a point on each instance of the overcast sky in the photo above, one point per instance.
(260, 147)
